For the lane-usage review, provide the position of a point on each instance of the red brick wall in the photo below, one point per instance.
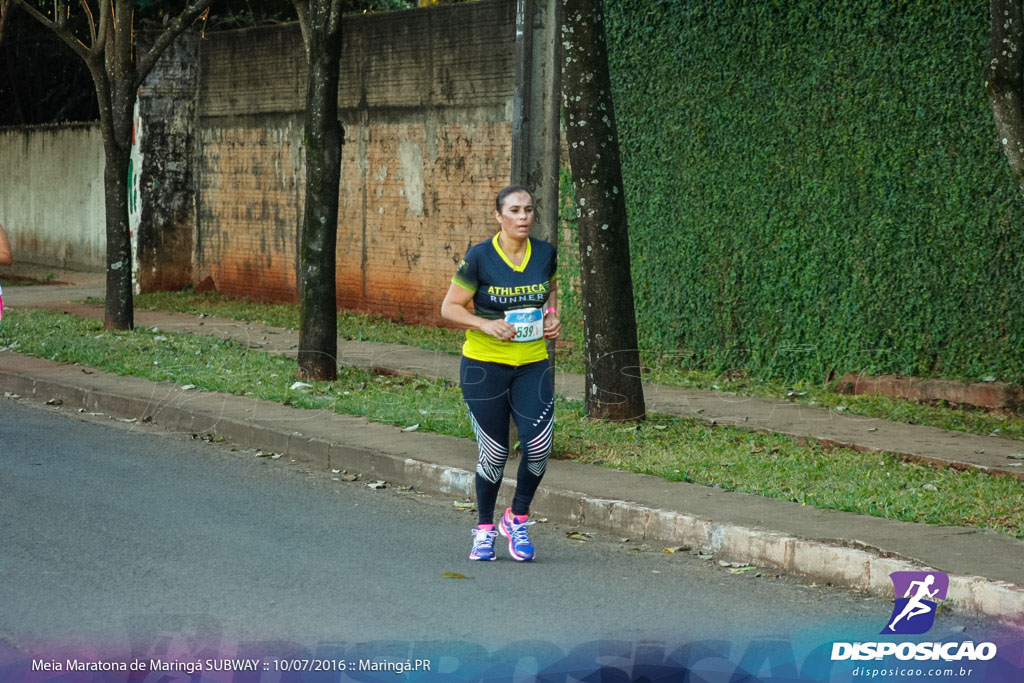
(425, 102)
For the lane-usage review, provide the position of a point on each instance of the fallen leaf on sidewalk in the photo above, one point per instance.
(465, 506)
(411, 428)
(577, 535)
(453, 575)
(55, 402)
(1016, 456)
(379, 484)
(188, 387)
(740, 570)
(678, 549)
(350, 477)
(704, 556)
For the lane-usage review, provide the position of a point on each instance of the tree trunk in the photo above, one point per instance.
(318, 334)
(119, 311)
(116, 109)
(1003, 80)
(613, 387)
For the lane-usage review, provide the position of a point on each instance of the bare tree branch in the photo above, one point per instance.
(92, 21)
(6, 8)
(101, 39)
(72, 41)
(173, 29)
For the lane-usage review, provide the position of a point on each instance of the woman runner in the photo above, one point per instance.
(510, 279)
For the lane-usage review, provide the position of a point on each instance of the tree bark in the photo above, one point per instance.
(1004, 82)
(613, 387)
(324, 137)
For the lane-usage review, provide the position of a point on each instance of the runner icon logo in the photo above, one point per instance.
(914, 612)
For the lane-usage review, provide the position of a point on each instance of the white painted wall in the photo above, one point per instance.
(51, 195)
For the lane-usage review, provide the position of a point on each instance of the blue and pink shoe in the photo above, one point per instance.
(483, 543)
(513, 527)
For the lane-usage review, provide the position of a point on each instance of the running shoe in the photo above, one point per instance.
(483, 544)
(519, 544)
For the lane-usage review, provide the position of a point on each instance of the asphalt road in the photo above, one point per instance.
(121, 536)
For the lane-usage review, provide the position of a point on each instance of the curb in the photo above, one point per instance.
(376, 451)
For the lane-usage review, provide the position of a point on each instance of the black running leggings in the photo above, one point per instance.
(493, 393)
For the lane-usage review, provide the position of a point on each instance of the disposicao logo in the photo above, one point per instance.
(917, 596)
(914, 613)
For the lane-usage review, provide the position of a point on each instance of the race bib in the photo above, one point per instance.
(529, 324)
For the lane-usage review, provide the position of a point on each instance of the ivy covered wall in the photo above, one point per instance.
(817, 187)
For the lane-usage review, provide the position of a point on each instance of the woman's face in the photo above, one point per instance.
(516, 215)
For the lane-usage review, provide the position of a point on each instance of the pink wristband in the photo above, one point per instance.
(550, 310)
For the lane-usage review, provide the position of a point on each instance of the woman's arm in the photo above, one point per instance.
(453, 309)
(552, 325)
(6, 258)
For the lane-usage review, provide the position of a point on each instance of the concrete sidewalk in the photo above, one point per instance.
(986, 568)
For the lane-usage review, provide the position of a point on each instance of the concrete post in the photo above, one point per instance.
(536, 108)
(536, 124)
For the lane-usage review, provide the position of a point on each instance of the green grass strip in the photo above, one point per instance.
(661, 370)
(674, 448)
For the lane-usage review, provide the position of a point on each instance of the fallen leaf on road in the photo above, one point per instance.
(379, 484)
(55, 402)
(188, 387)
(335, 471)
(350, 477)
(453, 575)
(704, 556)
(465, 506)
(412, 428)
(577, 536)
(740, 570)
(275, 456)
(1016, 456)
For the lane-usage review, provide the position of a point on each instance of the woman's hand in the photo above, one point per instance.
(499, 329)
(552, 325)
